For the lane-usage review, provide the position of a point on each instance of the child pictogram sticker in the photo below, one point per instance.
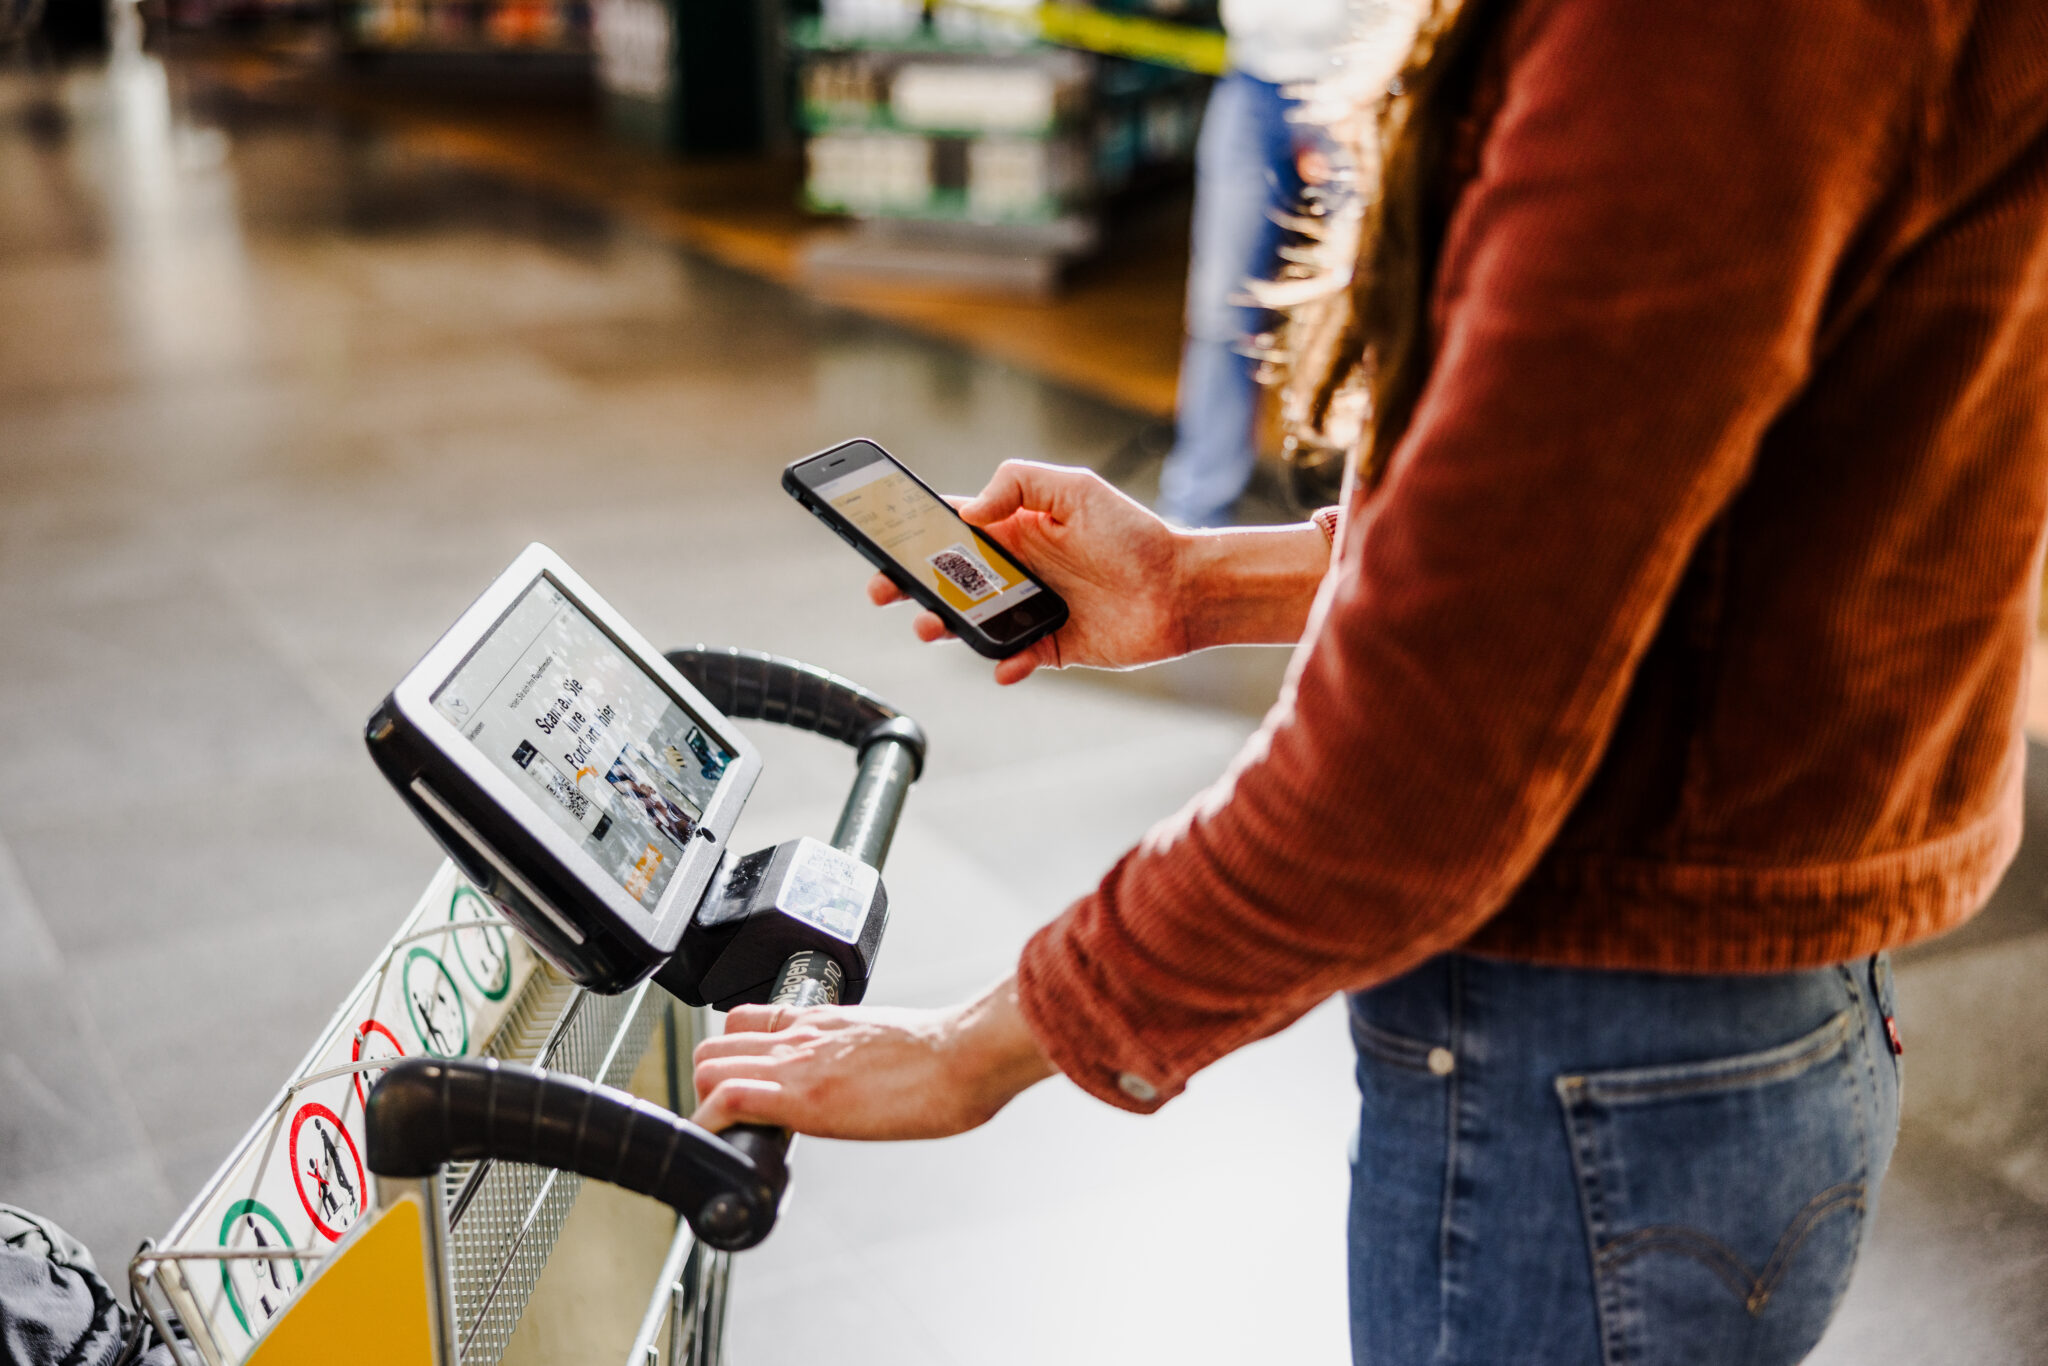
(372, 1041)
(256, 1287)
(483, 950)
(433, 1003)
(327, 1171)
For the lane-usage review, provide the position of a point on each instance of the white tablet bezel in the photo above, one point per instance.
(663, 925)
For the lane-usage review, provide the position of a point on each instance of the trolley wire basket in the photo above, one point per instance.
(457, 982)
(252, 1235)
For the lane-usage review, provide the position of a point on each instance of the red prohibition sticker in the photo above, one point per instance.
(327, 1171)
(373, 1040)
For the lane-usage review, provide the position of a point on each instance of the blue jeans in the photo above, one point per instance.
(1568, 1166)
(1244, 173)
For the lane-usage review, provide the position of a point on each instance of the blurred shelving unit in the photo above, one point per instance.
(528, 37)
(541, 33)
(988, 145)
(236, 16)
(679, 76)
(984, 146)
(469, 26)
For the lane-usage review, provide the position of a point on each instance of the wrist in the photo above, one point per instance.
(995, 1051)
(1249, 586)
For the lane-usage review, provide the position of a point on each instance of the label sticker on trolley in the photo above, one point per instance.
(327, 1169)
(256, 1288)
(374, 1041)
(299, 1184)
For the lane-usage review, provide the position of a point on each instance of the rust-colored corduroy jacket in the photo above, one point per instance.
(1688, 631)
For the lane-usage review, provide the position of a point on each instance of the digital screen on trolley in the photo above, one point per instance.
(595, 742)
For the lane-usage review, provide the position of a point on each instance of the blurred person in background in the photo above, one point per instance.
(1250, 162)
(1662, 668)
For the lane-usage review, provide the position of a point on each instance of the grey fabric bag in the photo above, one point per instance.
(55, 1310)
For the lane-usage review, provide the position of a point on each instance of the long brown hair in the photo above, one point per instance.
(1385, 339)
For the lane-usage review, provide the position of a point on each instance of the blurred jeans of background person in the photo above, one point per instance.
(1246, 173)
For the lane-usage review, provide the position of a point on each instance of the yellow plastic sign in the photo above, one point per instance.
(367, 1303)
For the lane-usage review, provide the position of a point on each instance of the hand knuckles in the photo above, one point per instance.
(813, 1091)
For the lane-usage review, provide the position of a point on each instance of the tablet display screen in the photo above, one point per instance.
(600, 746)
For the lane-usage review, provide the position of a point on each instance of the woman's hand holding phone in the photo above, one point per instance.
(1137, 590)
(1118, 565)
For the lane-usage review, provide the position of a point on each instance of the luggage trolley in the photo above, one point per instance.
(399, 1199)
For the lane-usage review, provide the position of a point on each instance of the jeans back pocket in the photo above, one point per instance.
(1724, 1200)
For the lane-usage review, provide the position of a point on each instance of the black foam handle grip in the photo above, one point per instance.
(751, 686)
(426, 1112)
(766, 1147)
(807, 979)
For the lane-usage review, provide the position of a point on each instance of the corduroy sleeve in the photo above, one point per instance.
(1630, 290)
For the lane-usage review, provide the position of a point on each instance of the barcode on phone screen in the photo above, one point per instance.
(966, 571)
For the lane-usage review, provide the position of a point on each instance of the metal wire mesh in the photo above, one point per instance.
(505, 1216)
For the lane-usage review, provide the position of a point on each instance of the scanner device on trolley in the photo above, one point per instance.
(589, 786)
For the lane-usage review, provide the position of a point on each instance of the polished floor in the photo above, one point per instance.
(1113, 331)
(278, 393)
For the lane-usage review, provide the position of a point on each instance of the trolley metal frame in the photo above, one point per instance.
(494, 1224)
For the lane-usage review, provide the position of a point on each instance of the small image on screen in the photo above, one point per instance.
(960, 566)
(600, 746)
(928, 539)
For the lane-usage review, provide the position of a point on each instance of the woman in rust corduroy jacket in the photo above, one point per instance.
(1671, 674)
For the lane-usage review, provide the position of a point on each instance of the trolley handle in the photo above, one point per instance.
(427, 1112)
(753, 686)
(749, 685)
(807, 979)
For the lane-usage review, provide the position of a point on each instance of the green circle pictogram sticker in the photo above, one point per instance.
(483, 950)
(265, 1284)
(434, 1004)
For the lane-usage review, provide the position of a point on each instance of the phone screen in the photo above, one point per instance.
(926, 537)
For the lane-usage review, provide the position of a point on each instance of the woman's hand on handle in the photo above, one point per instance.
(1138, 591)
(858, 1072)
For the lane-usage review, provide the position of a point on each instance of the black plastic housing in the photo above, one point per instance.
(603, 961)
(753, 920)
(424, 1113)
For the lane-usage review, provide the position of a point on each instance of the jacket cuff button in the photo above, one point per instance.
(1137, 1088)
(1442, 1062)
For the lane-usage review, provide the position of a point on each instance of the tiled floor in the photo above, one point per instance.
(277, 395)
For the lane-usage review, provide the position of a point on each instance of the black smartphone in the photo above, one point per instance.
(911, 534)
